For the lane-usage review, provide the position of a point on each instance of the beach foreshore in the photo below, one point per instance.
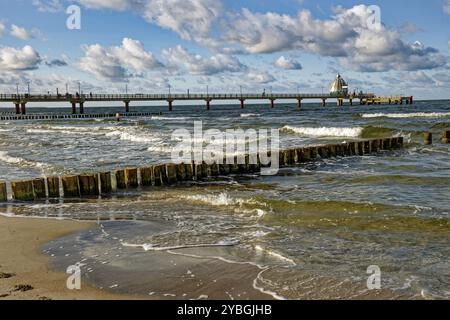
(24, 270)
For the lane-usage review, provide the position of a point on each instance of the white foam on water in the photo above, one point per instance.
(407, 115)
(151, 247)
(250, 115)
(325, 131)
(263, 290)
(275, 255)
(5, 157)
(170, 118)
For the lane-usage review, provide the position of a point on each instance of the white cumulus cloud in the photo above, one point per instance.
(180, 58)
(117, 63)
(12, 59)
(446, 6)
(20, 33)
(288, 64)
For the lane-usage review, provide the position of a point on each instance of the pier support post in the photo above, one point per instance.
(170, 105)
(22, 190)
(272, 103)
(132, 177)
(81, 107)
(74, 108)
(127, 106)
(242, 103)
(147, 178)
(208, 104)
(3, 194)
(53, 187)
(445, 137)
(105, 182)
(17, 108)
(23, 107)
(350, 101)
(71, 187)
(324, 102)
(411, 100)
(428, 138)
(299, 104)
(89, 185)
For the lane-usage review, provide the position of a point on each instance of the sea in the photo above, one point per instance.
(328, 229)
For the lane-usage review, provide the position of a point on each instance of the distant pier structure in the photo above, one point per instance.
(339, 92)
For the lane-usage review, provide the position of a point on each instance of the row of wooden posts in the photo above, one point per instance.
(445, 137)
(94, 185)
(74, 116)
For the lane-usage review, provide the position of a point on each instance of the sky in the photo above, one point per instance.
(146, 46)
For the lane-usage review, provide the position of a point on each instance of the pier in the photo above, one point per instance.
(167, 175)
(77, 103)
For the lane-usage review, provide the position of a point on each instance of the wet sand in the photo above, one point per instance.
(24, 272)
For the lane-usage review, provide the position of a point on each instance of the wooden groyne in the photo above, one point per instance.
(9, 117)
(160, 175)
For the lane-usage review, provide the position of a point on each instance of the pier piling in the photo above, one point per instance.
(105, 182)
(89, 185)
(53, 187)
(428, 138)
(71, 186)
(39, 188)
(22, 190)
(121, 181)
(147, 178)
(445, 137)
(3, 192)
(131, 177)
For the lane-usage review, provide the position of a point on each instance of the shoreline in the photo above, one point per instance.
(23, 264)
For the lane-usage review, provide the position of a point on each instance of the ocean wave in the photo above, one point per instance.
(250, 115)
(325, 131)
(407, 115)
(151, 247)
(5, 157)
(170, 118)
(222, 199)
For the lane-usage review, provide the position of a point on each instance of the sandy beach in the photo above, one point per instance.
(24, 272)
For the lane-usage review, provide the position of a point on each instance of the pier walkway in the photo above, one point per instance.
(20, 100)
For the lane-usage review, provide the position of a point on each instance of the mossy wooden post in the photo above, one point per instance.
(428, 138)
(332, 153)
(387, 144)
(206, 170)
(171, 174)
(290, 154)
(181, 172)
(121, 181)
(71, 186)
(105, 182)
(22, 190)
(157, 175)
(132, 177)
(340, 150)
(360, 145)
(374, 146)
(367, 149)
(3, 192)
(215, 170)
(146, 177)
(89, 185)
(323, 152)
(39, 188)
(298, 155)
(313, 153)
(445, 139)
(53, 187)
(234, 167)
(306, 155)
(400, 141)
(351, 149)
(189, 171)
(224, 168)
(281, 159)
(253, 163)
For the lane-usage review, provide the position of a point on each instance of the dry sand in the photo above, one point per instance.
(22, 264)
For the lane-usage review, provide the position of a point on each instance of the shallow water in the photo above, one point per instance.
(309, 232)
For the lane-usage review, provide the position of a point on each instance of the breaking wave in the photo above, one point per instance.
(407, 115)
(325, 131)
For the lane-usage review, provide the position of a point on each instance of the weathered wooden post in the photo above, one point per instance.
(132, 177)
(181, 172)
(332, 153)
(121, 180)
(323, 152)
(105, 182)
(171, 174)
(445, 137)
(215, 170)
(387, 144)
(74, 108)
(428, 138)
(367, 147)
(360, 145)
(189, 171)
(89, 185)
(22, 190)
(71, 186)
(39, 188)
(158, 175)
(306, 154)
(3, 192)
(53, 187)
(224, 168)
(147, 178)
(374, 145)
(242, 103)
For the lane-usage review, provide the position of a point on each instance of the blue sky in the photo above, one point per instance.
(288, 45)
